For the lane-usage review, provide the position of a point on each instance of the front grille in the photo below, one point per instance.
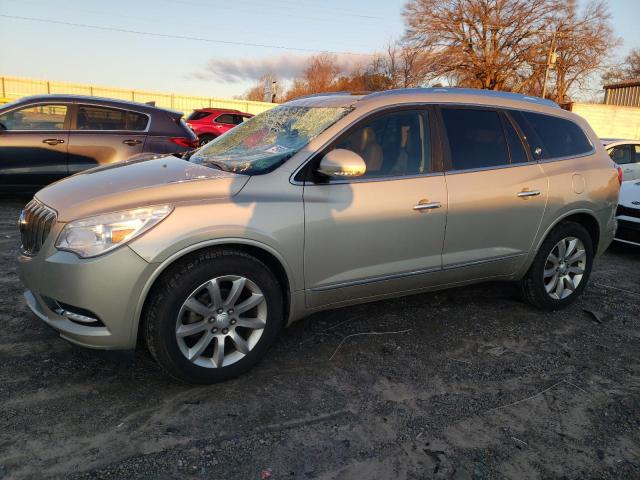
(36, 221)
(629, 212)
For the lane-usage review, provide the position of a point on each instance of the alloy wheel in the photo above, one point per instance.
(221, 321)
(564, 268)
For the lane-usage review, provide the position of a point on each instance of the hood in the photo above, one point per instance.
(137, 183)
(630, 193)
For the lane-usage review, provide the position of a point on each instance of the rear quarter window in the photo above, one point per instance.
(552, 137)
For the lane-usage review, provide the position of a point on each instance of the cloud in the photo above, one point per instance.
(284, 67)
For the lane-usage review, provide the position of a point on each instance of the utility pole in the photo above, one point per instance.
(269, 89)
(551, 59)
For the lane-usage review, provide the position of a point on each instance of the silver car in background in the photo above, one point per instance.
(318, 203)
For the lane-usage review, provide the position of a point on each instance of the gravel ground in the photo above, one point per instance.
(478, 385)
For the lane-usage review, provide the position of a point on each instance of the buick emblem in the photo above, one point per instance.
(635, 202)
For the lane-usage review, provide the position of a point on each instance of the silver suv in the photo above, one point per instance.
(321, 202)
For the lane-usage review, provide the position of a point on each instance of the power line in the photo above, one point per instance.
(179, 37)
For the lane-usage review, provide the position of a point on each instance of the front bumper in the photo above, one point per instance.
(109, 287)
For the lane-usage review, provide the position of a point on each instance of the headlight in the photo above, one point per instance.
(92, 236)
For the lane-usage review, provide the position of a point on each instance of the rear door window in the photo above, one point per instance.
(109, 119)
(225, 118)
(552, 137)
(476, 138)
(33, 118)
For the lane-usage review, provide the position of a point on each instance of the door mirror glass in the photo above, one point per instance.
(341, 163)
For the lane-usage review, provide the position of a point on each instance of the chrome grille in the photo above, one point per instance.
(35, 223)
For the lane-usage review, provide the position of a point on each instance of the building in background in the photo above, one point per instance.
(625, 94)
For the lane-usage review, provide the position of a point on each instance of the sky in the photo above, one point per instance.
(212, 47)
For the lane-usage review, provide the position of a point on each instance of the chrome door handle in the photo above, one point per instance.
(528, 193)
(53, 141)
(132, 142)
(427, 206)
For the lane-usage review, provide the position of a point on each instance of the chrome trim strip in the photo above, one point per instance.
(396, 276)
(381, 278)
(453, 266)
(370, 180)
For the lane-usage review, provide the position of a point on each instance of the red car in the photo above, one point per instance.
(209, 123)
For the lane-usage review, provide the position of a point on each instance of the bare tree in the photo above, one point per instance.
(583, 40)
(628, 70)
(480, 43)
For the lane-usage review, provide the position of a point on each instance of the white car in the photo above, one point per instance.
(625, 153)
(628, 213)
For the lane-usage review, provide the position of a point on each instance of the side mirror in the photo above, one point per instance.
(342, 163)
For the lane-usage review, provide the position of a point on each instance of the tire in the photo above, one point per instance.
(174, 330)
(543, 271)
(204, 139)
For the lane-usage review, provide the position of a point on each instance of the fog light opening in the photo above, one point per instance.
(78, 315)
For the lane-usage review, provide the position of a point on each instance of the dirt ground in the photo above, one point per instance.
(476, 386)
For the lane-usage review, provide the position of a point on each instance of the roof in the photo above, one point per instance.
(408, 95)
(101, 100)
(627, 83)
(214, 109)
(611, 141)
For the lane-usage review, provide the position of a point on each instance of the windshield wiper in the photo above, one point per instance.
(218, 165)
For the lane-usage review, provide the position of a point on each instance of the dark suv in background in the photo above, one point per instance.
(45, 138)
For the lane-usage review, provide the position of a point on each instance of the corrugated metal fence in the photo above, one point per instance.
(12, 88)
(624, 94)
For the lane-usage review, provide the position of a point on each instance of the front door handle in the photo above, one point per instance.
(427, 206)
(132, 142)
(528, 193)
(53, 141)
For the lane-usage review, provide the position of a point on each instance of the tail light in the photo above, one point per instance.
(620, 175)
(185, 142)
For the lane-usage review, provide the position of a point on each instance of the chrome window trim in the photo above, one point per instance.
(378, 179)
(90, 104)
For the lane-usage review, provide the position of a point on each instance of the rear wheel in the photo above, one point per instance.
(204, 139)
(561, 268)
(213, 316)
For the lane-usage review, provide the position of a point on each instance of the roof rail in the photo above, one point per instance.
(327, 94)
(469, 91)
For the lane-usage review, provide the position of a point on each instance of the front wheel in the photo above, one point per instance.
(204, 139)
(213, 316)
(561, 268)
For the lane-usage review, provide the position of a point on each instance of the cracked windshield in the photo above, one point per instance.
(262, 143)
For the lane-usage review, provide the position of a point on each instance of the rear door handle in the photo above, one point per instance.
(132, 142)
(427, 206)
(53, 141)
(528, 193)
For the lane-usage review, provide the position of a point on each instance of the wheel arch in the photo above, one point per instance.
(586, 218)
(262, 252)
